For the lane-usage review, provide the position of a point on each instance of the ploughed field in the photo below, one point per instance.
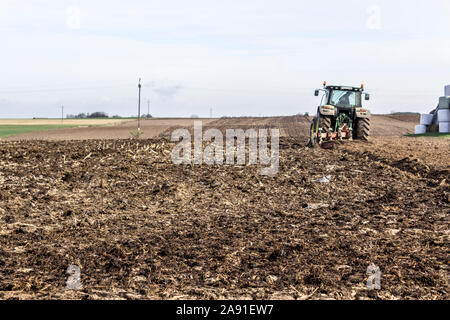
(140, 227)
(290, 126)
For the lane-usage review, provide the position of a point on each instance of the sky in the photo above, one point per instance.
(234, 57)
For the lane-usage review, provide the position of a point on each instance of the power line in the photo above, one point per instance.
(241, 90)
(63, 89)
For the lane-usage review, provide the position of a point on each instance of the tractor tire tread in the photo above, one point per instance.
(363, 129)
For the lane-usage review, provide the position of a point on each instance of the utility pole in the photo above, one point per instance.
(139, 106)
(62, 113)
(148, 108)
(210, 112)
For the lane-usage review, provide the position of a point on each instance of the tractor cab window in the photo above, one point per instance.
(345, 99)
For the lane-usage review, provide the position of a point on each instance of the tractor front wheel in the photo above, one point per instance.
(312, 136)
(325, 123)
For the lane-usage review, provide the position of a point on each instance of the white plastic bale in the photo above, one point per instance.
(444, 115)
(444, 127)
(419, 129)
(444, 103)
(426, 119)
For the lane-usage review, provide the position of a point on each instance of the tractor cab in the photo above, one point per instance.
(342, 97)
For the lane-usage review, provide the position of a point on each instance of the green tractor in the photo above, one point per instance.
(340, 115)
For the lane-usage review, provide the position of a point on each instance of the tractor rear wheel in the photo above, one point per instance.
(363, 129)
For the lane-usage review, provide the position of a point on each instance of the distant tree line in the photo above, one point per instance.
(99, 114)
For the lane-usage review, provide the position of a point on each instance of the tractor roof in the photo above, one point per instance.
(345, 88)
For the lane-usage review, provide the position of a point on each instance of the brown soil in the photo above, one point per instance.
(140, 227)
(298, 126)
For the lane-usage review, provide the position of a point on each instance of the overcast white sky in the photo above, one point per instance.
(246, 57)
